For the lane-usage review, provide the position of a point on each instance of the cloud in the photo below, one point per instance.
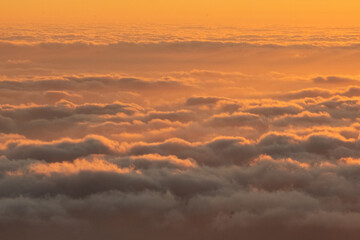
(75, 83)
(202, 101)
(308, 93)
(228, 184)
(178, 139)
(275, 110)
(334, 80)
(268, 193)
(139, 57)
(305, 118)
(238, 120)
(62, 150)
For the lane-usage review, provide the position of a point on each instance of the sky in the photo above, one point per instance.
(209, 12)
(169, 120)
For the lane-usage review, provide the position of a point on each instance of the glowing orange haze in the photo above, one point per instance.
(208, 12)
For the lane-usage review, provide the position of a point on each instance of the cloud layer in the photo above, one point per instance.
(172, 140)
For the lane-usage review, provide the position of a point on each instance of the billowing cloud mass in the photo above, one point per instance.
(179, 139)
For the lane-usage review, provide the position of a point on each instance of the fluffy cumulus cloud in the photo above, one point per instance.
(182, 145)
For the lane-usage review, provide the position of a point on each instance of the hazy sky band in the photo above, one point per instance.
(228, 12)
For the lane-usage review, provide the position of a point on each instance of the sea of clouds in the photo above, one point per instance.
(191, 139)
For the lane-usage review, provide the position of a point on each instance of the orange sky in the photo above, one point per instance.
(228, 12)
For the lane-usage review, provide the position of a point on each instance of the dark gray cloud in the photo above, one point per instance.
(63, 150)
(334, 80)
(270, 111)
(202, 100)
(269, 193)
